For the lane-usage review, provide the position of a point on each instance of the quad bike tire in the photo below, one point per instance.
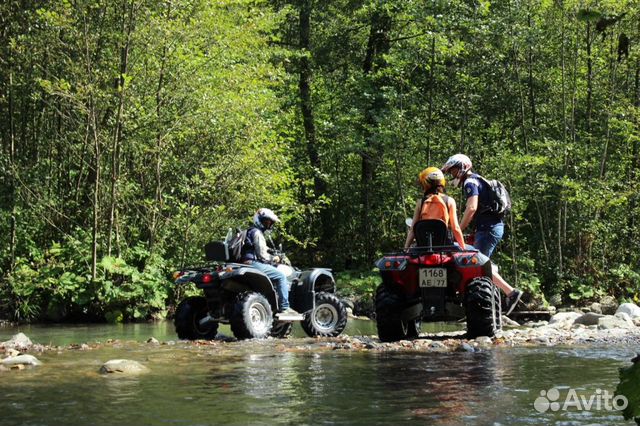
(252, 316)
(482, 306)
(391, 327)
(328, 319)
(281, 329)
(187, 320)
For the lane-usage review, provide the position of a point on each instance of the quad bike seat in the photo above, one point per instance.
(431, 233)
(216, 251)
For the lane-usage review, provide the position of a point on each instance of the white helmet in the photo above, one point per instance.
(264, 214)
(462, 163)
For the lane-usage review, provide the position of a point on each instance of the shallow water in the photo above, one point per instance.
(283, 382)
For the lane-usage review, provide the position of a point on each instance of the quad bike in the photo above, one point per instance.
(245, 298)
(435, 281)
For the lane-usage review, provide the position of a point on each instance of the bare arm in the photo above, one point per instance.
(469, 211)
(410, 234)
(453, 223)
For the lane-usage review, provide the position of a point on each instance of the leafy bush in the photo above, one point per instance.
(50, 286)
(357, 283)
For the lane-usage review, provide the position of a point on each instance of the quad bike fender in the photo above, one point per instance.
(250, 279)
(302, 294)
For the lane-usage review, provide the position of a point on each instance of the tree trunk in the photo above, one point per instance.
(157, 208)
(12, 184)
(432, 85)
(378, 44)
(521, 95)
(589, 80)
(532, 102)
(306, 107)
(126, 29)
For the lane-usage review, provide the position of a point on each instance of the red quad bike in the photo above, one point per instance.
(435, 281)
(245, 298)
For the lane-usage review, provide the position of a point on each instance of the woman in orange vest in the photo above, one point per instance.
(434, 204)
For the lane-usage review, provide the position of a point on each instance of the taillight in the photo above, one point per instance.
(207, 278)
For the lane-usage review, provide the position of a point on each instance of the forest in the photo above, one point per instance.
(135, 131)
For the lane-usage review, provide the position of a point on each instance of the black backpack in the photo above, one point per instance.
(499, 199)
(235, 242)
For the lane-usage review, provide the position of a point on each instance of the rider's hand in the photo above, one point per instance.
(276, 259)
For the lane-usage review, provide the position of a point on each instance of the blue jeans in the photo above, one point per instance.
(279, 281)
(486, 241)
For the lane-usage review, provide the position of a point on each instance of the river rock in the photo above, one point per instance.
(20, 360)
(564, 319)
(123, 366)
(153, 341)
(596, 308)
(590, 318)
(465, 347)
(508, 322)
(629, 308)
(608, 305)
(19, 341)
(609, 322)
(484, 341)
(555, 299)
(626, 318)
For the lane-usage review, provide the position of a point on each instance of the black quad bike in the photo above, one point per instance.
(244, 297)
(435, 281)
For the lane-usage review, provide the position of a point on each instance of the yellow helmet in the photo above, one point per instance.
(431, 177)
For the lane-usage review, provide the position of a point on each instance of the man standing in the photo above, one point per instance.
(489, 225)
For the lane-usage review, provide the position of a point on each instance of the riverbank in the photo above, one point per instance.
(564, 329)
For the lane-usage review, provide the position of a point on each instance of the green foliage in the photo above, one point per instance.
(46, 287)
(139, 132)
(357, 283)
(629, 387)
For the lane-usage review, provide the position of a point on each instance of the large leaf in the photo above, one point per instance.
(629, 387)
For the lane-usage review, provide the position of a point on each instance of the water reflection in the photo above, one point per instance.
(276, 382)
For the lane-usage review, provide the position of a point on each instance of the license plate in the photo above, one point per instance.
(433, 277)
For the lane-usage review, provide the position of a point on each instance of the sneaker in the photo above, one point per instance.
(512, 300)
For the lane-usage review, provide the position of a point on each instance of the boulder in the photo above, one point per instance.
(20, 360)
(564, 319)
(508, 322)
(555, 299)
(596, 308)
(123, 366)
(626, 318)
(608, 305)
(609, 321)
(590, 318)
(631, 309)
(484, 341)
(19, 341)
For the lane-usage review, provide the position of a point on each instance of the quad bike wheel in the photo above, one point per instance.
(281, 329)
(482, 305)
(329, 318)
(187, 320)
(252, 317)
(391, 327)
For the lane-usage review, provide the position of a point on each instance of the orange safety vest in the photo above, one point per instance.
(434, 206)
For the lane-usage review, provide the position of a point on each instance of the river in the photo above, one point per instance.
(283, 382)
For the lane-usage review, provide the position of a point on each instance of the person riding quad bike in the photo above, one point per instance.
(256, 299)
